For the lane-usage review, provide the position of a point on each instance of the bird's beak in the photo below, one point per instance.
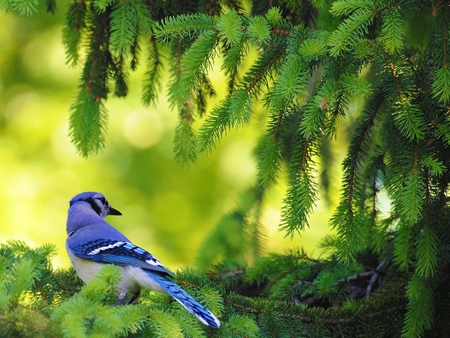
(114, 212)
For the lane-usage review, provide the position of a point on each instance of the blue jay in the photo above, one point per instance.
(92, 243)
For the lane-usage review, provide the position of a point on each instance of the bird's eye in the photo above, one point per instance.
(103, 200)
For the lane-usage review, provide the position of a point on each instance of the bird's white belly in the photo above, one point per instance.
(87, 270)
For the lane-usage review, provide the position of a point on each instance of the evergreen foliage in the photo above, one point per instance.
(38, 301)
(315, 60)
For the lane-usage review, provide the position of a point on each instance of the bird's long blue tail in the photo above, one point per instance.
(194, 307)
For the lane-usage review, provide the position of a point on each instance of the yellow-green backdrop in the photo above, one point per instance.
(167, 209)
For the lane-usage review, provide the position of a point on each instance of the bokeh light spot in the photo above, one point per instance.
(142, 128)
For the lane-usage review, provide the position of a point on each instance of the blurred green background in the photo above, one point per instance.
(167, 209)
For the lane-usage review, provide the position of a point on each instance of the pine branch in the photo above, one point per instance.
(88, 114)
(51, 6)
(407, 114)
(189, 26)
(144, 19)
(233, 112)
(195, 64)
(349, 31)
(302, 191)
(185, 137)
(392, 32)
(255, 307)
(72, 31)
(233, 57)
(259, 30)
(350, 220)
(88, 119)
(153, 75)
(25, 7)
(123, 29)
(441, 84)
(120, 69)
(427, 253)
(271, 157)
(419, 315)
(229, 26)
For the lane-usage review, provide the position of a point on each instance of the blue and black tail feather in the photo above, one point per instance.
(190, 304)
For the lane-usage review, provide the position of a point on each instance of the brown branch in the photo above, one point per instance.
(381, 268)
(445, 35)
(280, 31)
(416, 158)
(99, 38)
(88, 86)
(353, 163)
(278, 128)
(387, 6)
(273, 30)
(312, 318)
(435, 7)
(396, 82)
(179, 52)
(427, 200)
(304, 157)
(357, 276)
(252, 85)
(233, 273)
(76, 6)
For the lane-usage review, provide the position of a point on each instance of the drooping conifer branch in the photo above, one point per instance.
(88, 115)
(445, 35)
(324, 317)
(302, 191)
(73, 29)
(254, 78)
(153, 75)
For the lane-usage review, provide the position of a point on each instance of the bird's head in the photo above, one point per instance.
(97, 202)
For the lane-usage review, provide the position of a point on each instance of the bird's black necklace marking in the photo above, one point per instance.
(94, 205)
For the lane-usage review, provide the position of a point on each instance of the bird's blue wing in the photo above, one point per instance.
(120, 253)
(123, 253)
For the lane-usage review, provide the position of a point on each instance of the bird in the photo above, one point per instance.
(92, 243)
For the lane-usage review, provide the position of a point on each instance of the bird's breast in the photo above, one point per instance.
(86, 269)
